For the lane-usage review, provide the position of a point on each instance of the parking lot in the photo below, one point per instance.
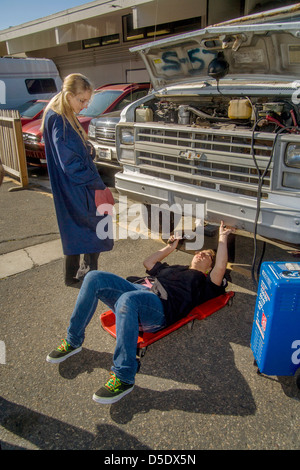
(197, 389)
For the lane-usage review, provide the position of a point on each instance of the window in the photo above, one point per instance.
(37, 86)
(101, 41)
(100, 102)
(34, 109)
(131, 34)
(110, 39)
(130, 98)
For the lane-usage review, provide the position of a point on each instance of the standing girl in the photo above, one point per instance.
(76, 184)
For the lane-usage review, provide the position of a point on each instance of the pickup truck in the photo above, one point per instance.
(221, 127)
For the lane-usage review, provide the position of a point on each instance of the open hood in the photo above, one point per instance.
(252, 52)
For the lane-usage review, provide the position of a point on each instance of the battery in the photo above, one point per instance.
(275, 338)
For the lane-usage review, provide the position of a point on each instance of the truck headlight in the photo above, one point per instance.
(292, 155)
(92, 131)
(32, 138)
(127, 136)
(291, 180)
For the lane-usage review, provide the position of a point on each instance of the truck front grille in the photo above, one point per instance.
(222, 160)
(106, 135)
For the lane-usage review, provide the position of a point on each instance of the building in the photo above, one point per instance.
(94, 38)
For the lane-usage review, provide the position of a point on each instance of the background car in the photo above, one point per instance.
(101, 130)
(32, 110)
(102, 135)
(34, 144)
(106, 98)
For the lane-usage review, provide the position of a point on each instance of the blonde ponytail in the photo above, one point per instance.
(74, 83)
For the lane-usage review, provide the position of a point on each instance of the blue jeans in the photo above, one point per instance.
(134, 306)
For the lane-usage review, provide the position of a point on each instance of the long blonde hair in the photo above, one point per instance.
(74, 83)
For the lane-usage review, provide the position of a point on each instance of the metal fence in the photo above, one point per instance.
(12, 150)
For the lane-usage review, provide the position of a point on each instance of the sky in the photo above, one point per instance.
(15, 12)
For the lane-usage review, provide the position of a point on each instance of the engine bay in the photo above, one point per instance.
(219, 112)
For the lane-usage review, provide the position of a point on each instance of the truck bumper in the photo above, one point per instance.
(275, 222)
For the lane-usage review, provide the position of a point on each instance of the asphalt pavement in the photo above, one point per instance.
(197, 389)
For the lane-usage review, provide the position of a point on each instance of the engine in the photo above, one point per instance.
(268, 116)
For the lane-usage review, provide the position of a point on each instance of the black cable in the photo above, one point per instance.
(260, 183)
(219, 88)
(258, 198)
(260, 260)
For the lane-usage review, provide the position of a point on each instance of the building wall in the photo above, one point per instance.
(108, 64)
(113, 63)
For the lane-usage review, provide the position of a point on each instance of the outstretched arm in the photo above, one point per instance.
(161, 254)
(218, 271)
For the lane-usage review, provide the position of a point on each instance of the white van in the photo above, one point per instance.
(27, 79)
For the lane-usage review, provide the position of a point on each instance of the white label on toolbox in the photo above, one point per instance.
(292, 266)
(266, 277)
(259, 329)
(291, 270)
(296, 354)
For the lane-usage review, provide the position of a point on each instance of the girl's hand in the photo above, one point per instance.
(104, 201)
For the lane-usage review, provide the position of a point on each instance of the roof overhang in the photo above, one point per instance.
(64, 26)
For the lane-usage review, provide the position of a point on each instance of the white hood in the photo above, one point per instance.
(258, 52)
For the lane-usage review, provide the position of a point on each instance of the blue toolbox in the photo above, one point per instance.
(275, 339)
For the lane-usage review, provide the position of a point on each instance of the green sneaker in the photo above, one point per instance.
(112, 391)
(62, 352)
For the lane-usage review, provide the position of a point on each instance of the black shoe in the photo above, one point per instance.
(62, 352)
(112, 391)
(77, 283)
